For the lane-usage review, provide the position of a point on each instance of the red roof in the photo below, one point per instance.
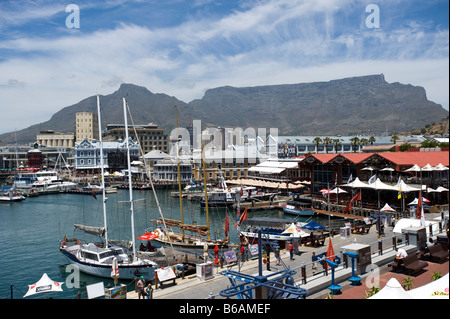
(398, 158)
(419, 158)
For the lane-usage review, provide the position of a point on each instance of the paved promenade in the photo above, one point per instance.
(317, 284)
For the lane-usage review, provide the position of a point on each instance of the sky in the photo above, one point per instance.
(55, 53)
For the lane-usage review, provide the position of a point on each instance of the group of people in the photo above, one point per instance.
(142, 290)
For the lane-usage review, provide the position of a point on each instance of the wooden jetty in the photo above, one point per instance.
(337, 214)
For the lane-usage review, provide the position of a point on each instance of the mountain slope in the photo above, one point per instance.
(348, 106)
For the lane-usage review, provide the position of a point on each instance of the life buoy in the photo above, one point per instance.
(157, 233)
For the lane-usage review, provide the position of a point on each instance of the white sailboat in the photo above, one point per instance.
(97, 258)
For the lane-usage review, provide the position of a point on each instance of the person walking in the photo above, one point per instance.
(140, 288)
(291, 251)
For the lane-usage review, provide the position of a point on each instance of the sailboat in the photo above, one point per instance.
(97, 258)
(181, 239)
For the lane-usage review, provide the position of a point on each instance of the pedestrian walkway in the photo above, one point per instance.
(193, 288)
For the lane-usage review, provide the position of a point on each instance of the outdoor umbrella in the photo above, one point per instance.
(312, 225)
(440, 167)
(437, 289)
(337, 190)
(414, 168)
(416, 201)
(115, 270)
(148, 236)
(392, 290)
(428, 168)
(294, 230)
(387, 208)
(44, 285)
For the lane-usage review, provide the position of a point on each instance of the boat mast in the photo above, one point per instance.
(102, 169)
(179, 178)
(206, 193)
(129, 180)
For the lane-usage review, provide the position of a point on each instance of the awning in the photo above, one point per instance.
(266, 170)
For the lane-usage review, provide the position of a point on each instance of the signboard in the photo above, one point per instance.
(253, 249)
(165, 274)
(230, 256)
(119, 292)
(95, 290)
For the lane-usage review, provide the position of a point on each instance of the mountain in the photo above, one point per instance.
(365, 104)
(346, 106)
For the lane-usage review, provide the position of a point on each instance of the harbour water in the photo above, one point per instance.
(31, 231)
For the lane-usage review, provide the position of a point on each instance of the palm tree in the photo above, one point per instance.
(354, 141)
(394, 138)
(326, 141)
(363, 141)
(372, 140)
(317, 140)
(336, 142)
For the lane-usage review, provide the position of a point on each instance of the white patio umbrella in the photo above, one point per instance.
(440, 167)
(295, 231)
(387, 208)
(379, 186)
(392, 290)
(338, 190)
(441, 189)
(437, 289)
(414, 168)
(427, 168)
(115, 270)
(416, 201)
(44, 285)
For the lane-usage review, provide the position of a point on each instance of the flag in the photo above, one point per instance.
(227, 225)
(419, 205)
(350, 179)
(399, 188)
(373, 179)
(349, 205)
(330, 252)
(242, 218)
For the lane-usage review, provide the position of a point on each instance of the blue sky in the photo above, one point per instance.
(183, 48)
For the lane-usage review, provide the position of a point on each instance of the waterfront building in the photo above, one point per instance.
(232, 163)
(150, 137)
(292, 146)
(166, 172)
(36, 156)
(328, 170)
(86, 126)
(51, 138)
(87, 155)
(283, 170)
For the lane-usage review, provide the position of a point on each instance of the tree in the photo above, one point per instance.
(326, 141)
(363, 141)
(394, 138)
(317, 140)
(354, 141)
(336, 142)
(372, 140)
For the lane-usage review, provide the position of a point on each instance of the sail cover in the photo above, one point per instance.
(98, 231)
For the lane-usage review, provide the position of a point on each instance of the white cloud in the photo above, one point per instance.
(275, 42)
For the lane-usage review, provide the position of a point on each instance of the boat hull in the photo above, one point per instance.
(298, 212)
(129, 272)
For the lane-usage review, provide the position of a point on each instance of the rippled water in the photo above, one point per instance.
(30, 232)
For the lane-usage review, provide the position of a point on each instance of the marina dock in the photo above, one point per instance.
(317, 282)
